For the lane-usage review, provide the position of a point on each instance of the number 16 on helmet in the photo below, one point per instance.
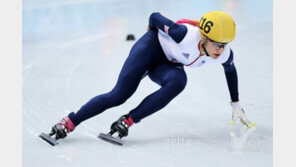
(217, 26)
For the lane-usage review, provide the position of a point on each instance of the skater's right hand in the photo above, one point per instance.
(238, 112)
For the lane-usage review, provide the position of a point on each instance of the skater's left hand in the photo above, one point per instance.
(238, 112)
(151, 28)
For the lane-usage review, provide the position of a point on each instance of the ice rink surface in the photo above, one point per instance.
(74, 50)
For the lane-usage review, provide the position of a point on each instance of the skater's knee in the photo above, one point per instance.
(110, 99)
(180, 83)
(118, 97)
(177, 82)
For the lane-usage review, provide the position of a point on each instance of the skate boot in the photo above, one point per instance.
(120, 126)
(60, 131)
(62, 128)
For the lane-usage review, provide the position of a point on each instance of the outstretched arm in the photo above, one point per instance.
(231, 77)
(176, 31)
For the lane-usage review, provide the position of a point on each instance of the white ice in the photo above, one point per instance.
(74, 50)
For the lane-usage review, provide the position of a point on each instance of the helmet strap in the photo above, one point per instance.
(203, 46)
(204, 40)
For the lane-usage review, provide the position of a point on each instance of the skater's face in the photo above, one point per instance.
(214, 49)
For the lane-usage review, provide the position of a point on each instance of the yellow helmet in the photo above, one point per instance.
(217, 26)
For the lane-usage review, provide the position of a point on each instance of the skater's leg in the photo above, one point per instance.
(172, 79)
(134, 68)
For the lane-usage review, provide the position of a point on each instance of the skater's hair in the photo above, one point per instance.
(203, 40)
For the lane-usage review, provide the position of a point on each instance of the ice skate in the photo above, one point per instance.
(58, 131)
(121, 127)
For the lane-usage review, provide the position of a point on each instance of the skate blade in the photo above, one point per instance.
(48, 139)
(111, 139)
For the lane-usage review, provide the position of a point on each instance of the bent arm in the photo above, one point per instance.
(175, 31)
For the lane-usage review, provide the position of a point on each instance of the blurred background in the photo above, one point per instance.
(73, 50)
